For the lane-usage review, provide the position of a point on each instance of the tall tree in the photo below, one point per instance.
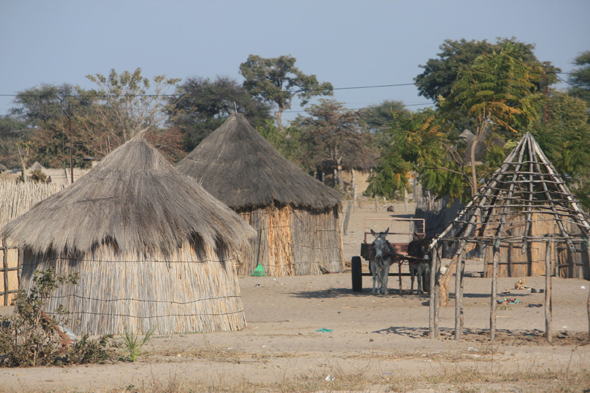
(379, 119)
(277, 80)
(580, 77)
(44, 103)
(123, 106)
(497, 91)
(334, 135)
(201, 105)
(456, 56)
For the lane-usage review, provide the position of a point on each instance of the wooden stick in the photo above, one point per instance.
(494, 292)
(431, 310)
(548, 292)
(459, 295)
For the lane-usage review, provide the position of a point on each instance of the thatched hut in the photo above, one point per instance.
(150, 246)
(296, 216)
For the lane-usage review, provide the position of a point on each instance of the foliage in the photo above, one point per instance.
(123, 106)
(441, 73)
(200, 106)
(333, 136)
(288, 144)
(580, 77)
(379, 118)
(277, 80)
(391, 174)
(31, 338)
(38, 176)
(12, 131)
(498, 92)
(41, 104)
(132, 342)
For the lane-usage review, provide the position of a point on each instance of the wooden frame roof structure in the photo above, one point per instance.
(525, 190)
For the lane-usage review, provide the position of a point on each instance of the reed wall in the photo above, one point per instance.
(293, 241)
(520, 260)
(195, 290)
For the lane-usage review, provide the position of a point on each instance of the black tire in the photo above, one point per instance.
(356, 271)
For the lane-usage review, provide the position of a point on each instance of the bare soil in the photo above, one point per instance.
(381, 337)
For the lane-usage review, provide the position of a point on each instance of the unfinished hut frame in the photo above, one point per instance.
(525, 208)
(151, 248)
(296, 216)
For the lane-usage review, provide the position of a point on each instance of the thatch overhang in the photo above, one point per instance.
(240, 168)
(134, 201)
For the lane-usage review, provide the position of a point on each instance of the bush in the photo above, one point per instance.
(32, 338)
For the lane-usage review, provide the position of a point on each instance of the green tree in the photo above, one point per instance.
(497, 91)
(580, 77)
(441, 73)
(334, 136)
(45, 103)
(277, 80)
(201, 105)
(379, 118)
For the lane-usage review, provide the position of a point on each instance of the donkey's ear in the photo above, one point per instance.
(386, 231)
(373, 233)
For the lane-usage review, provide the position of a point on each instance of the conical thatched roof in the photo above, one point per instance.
(36, 166)
(240, 168)
(136, 201)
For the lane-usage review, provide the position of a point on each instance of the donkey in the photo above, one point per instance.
(381, 256)
(420, 263)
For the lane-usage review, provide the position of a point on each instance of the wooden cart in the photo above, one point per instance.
(400, 248)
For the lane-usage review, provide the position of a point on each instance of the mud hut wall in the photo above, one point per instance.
(187, 292)
(293, 241)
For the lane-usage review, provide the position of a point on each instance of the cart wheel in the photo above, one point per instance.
(356, 271)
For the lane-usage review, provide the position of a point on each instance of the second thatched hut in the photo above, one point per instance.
(152, 248)
(296, 216)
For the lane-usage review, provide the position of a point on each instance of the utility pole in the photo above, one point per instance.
(70, 128)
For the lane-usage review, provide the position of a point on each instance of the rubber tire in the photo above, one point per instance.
(356, 271)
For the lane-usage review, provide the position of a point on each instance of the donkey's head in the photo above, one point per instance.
(418, 247)
(379, 245)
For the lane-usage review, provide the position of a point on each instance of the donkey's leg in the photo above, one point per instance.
(374, 271)
(385, 277)
(412, 274)
(420, 271)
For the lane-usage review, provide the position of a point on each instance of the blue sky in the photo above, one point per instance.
(347, 43)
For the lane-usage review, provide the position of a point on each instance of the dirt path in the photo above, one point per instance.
(381, 336)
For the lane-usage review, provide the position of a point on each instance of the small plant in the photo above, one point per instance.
(132, 342)
(38, 176)
(32, 338)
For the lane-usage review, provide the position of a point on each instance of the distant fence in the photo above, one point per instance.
(15, 200)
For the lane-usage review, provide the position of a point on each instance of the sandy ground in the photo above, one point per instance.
(378, 335)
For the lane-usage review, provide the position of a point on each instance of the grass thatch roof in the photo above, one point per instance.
(134, 200)
(240, 168)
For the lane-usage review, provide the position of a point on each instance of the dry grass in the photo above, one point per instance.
(454, 379)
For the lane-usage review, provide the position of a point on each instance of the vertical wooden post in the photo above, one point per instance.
(548, 292)
(355, 195)
(588, 303)
(494, 292)
(433, 331)
(5, 267)
(459, 295)
(347, 217)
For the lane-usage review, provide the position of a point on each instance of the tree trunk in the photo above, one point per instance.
(279, 116)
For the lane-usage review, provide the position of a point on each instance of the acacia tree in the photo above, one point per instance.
(334, 135)
(497, 91)
(123, 106)
(277, 80)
